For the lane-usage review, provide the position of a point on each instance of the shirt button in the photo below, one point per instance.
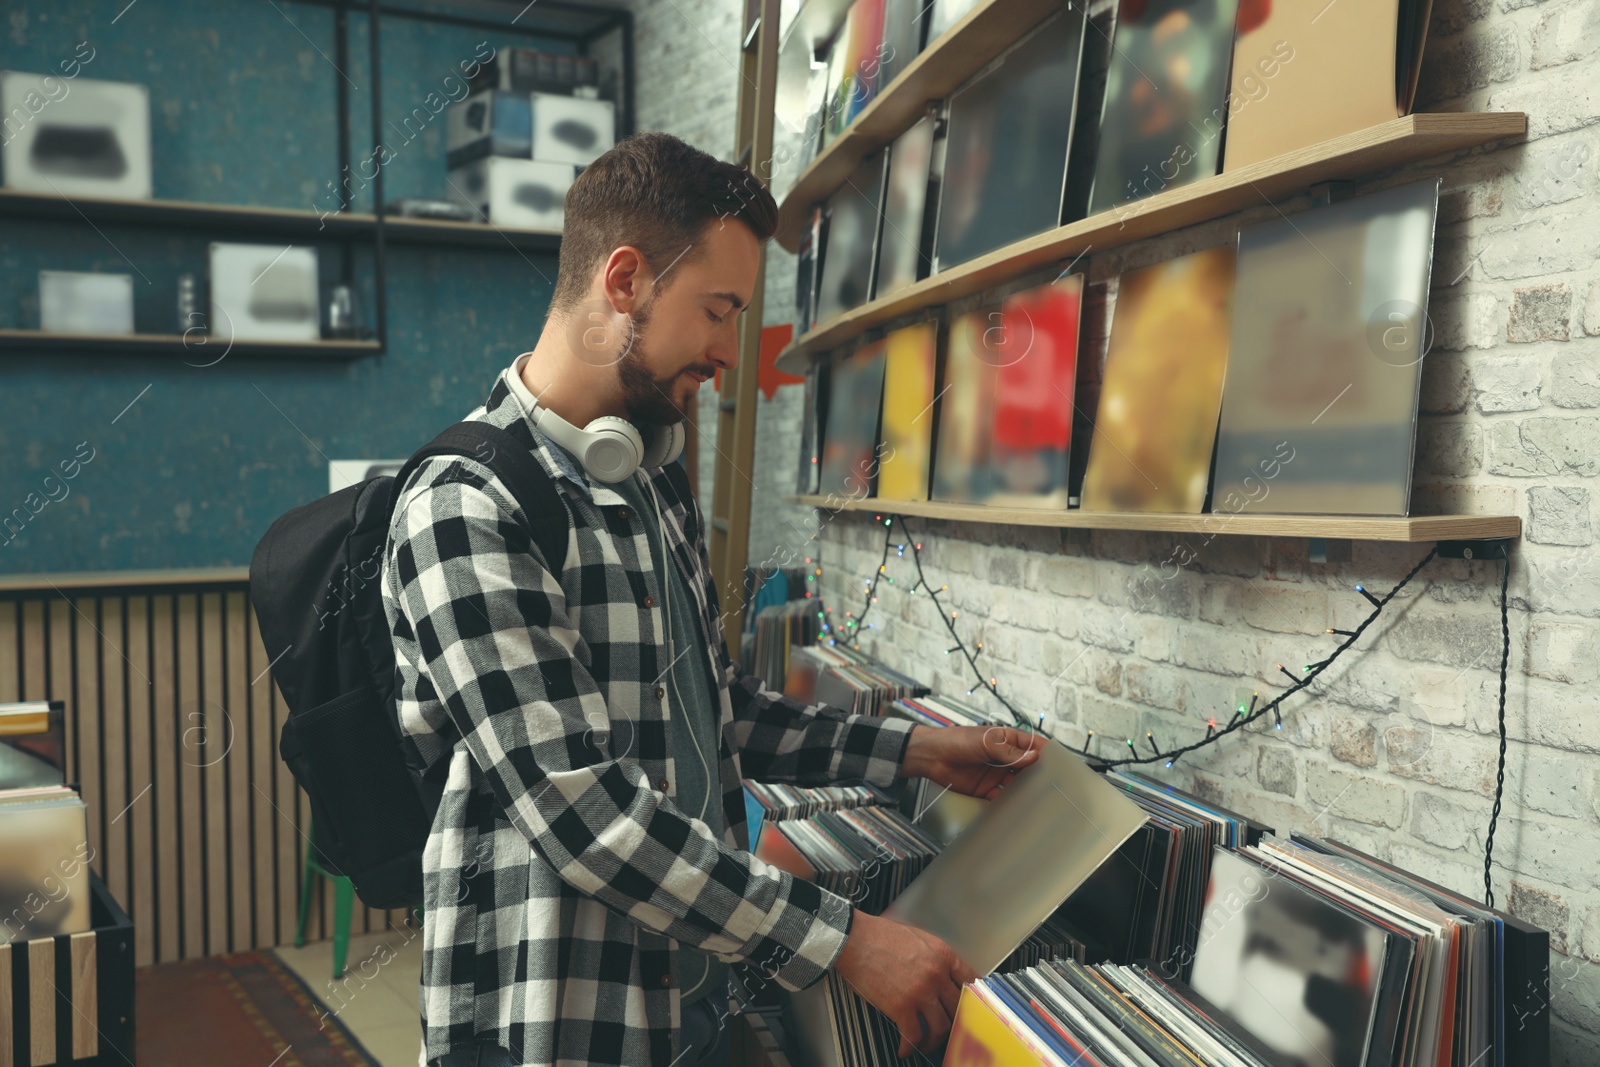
(624, 514)
(661, 692)
(666, 981)
(665, 785)
(649, 601)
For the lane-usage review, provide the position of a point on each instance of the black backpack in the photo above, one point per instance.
(314, 583)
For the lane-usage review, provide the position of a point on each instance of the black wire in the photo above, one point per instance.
(1500, 773)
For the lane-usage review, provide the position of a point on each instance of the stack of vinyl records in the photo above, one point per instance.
(44, 879)
(775, 630)
(944, 711)
(1146, 903)
(780, 802)
(1111, 1015)
(850, 680)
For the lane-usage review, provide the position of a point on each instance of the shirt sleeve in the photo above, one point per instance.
(783, 740)
(505, 660)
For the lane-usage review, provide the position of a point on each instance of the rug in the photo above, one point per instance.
(242, 1009)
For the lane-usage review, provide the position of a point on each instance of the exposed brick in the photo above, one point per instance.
(1272, 606)
(1544, 446)
(1450, 449)
(1559, 515)
(1437, 757)
(1539, 313)
(1466, 62)
(1443, 822)
(1219, 601)
(1446, 387)
(1458, 638)
(1554, 101)
(1218, 653)
(1565, 34)
(1575, 379)
(1065, 576)
(1508, 384)
(1275, 770)
(1464, 320)
(1542, 908)
(1591, 310)
(1156, 687)
(1591, 935)
(1354, 741)
(1363, 798)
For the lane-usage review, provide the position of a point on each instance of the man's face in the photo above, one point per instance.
(687, 326)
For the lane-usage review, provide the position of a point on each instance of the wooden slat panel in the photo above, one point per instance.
(263, 744)
(210, 755)
(290, 846)
(85, 996)
(86, 716)
(7, 1009)
(191, 794)
(59, 683)
(164, 711)
(34, 685)
(140, 819)
(10, 680)
(42, 1000)
(117, 672)
(236, 688)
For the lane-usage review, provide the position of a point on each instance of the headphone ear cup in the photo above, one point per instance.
(666, 445)
(614, 449)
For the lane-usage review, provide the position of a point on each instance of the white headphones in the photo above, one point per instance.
(611, 448)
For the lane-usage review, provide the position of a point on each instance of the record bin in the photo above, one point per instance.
(68, 1000)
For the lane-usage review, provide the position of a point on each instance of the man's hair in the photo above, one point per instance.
(657, 194)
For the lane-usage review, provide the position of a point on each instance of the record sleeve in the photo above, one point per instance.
(1319, 407)
(850, 246)
(905, 250)
(908, 412)
(850, 451)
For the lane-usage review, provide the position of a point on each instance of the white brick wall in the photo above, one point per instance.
(1393, 750)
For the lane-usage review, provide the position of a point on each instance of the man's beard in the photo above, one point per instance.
(647, 399)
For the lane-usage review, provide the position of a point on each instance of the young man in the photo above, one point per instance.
(587, 879)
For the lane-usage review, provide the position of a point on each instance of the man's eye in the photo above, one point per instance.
(714, 317)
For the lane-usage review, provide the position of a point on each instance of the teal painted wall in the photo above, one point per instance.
(243, 111)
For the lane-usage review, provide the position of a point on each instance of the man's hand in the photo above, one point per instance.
(976, 760)
(908, 974)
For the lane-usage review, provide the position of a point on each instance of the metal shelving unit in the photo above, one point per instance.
(579, 23)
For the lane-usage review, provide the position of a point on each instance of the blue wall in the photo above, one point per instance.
(242, 112)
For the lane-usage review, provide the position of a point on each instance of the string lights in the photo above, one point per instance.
(1244, 714)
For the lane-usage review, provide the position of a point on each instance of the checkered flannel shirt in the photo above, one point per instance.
(560, 877)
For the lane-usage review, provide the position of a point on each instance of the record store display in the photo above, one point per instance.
(850, 247)
(911, 354)
(812, 418)
(32, 744)
(1033, 405)
(847, 679)
(961, 469)
(44, 881)
(1304, 74)
(905, 251)
(1005, 163)
(1162, 123)
(1162, 387)
(850, 439)
(1320, 404)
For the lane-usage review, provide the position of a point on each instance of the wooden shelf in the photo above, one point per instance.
(1356, 155)
(1414, 528)
(937, 71)
(164, 344)
(278, 223)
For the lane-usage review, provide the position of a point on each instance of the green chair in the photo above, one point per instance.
(343, 899)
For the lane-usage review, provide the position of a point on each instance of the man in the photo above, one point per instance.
(587, 881)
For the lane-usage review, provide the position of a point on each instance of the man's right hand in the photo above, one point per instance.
(908, 974)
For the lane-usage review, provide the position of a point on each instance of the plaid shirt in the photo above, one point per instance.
(560, 878)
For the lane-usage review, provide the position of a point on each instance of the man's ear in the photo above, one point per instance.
(626, 280)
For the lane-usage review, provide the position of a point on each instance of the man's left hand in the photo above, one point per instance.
(976, 760)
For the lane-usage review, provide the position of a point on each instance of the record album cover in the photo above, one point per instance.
(966, 408)
(908, 412)
(1006, 144)
(850, 440)
(1157, 419)
(1320, 406)
(1165, 104)
(905, 250)
(1034, 385)
(850, 245)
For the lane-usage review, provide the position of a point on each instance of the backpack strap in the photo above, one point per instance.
(510, 459)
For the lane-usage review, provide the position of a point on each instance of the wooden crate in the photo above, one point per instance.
(68, 999)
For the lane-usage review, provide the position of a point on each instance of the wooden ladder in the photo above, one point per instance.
(736, 406)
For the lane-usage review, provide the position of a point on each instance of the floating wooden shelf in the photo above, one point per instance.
(1412, 528)
(278, 223)
(1356, 155)
(172, 344)
(937, 71)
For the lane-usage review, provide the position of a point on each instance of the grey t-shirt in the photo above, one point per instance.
(694, 727)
